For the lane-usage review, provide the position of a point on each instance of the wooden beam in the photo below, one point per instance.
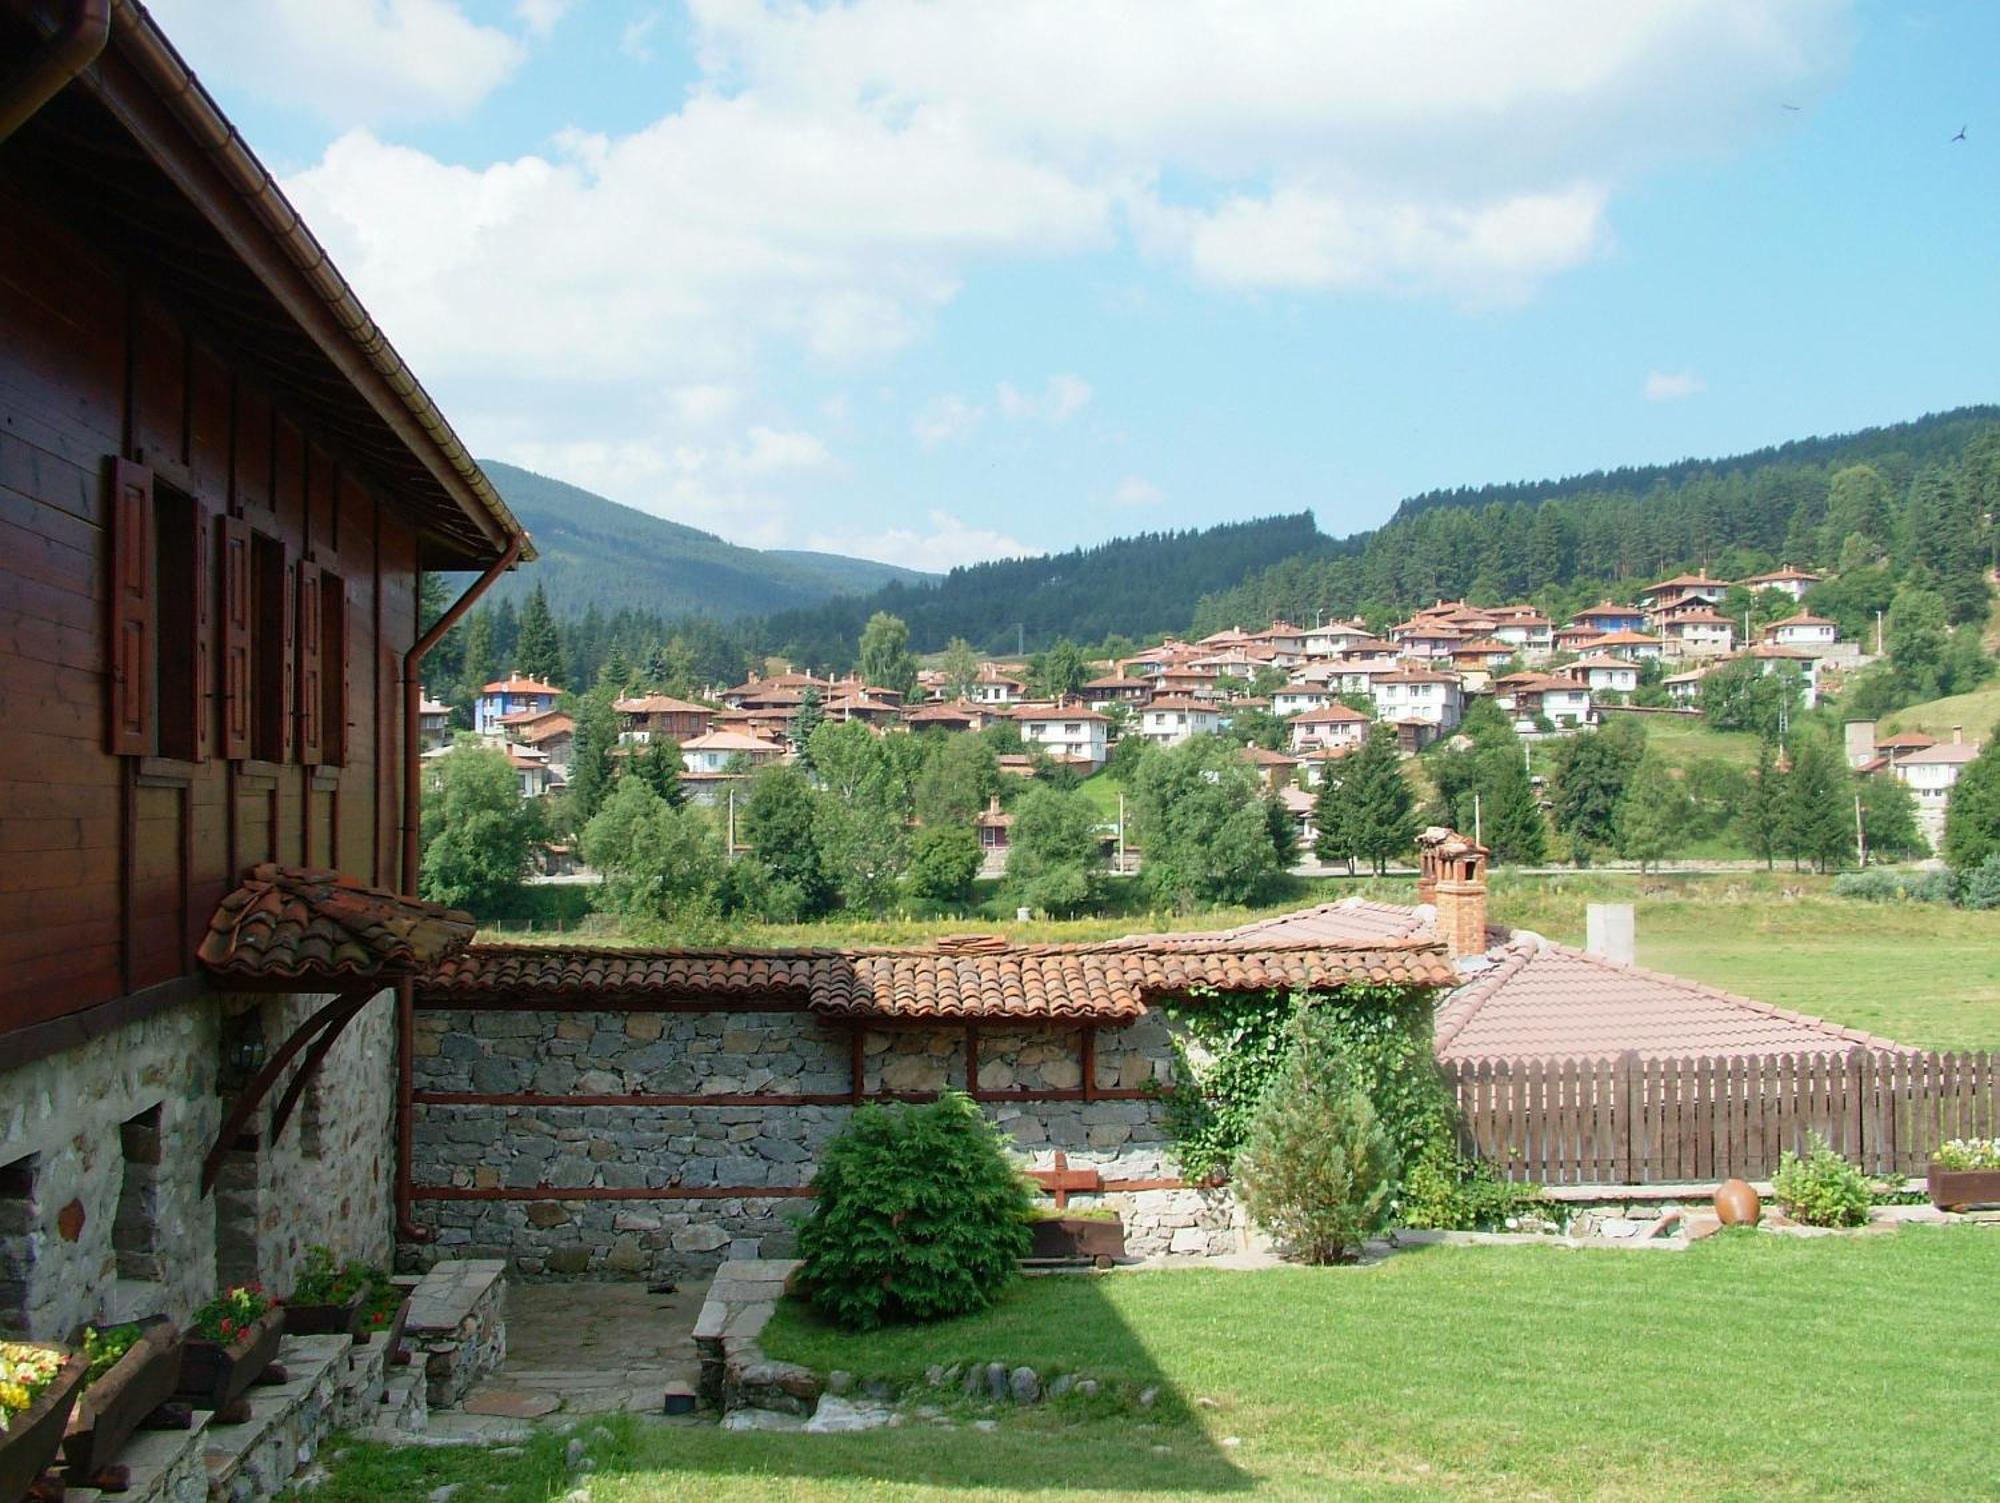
(260, 1086)
(309, 1066)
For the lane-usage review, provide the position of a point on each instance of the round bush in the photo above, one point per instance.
(1820, 1187)
(917, 1215)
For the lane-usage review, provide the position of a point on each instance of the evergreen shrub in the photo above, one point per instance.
(917, 1215)
(1319, 1170)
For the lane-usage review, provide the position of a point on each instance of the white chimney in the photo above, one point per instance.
(1610, 931)
(1958, 735)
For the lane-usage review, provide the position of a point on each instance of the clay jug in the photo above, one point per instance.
(1736, 1204)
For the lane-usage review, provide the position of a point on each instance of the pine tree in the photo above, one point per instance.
(1653, 814)
(1590, 780)
(885, 654)
(593, 769)
(661, 767)
(1818, 821)
(1382, 806)
(538, 649)
(1515, 829)
(480, 664)
(1333, 829)
(809, 717)
(1761, 818)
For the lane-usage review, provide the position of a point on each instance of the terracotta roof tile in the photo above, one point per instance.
(1542, 1000)
(302, 924)
(969, 977)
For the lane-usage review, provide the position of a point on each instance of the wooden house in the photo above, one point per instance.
(218, 485)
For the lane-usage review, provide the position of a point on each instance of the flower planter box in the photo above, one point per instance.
(323, 1320)
(113, 1407)
(1955, 1189)
(33, 1437)
(391, 1333)
(1071, 1237)
(214, 1376)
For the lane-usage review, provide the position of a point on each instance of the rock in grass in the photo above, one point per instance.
(879, 1389)
(975, 1379)
(996, 1380)
(1148, 1397)
(936, 1375)
(836, 1416)
(1087, 1387)
(573, 1454)
(1061, 1384)
(1024, 1385)
(839, 1381)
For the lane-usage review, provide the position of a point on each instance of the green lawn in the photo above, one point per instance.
(1978, 712)
(1916, 973)
(1749, 1367)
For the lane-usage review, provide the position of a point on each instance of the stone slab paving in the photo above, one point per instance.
(590, 1348)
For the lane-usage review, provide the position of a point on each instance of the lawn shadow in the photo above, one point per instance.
(1107, 1415)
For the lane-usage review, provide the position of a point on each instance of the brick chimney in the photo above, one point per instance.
(1452, 877)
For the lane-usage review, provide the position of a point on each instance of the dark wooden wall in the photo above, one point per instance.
(110, 865)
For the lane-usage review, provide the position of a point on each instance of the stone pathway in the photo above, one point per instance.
(580, 1348)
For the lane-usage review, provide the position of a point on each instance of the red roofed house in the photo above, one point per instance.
(221, 486)
(1330, 725)
(1794, 582)
(1803, 630)
(642, 717)
(512, 695)
(1172, 718)
(1071, 733)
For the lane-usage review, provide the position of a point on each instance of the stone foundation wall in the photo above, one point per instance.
(737, 1145)
(101, 1146)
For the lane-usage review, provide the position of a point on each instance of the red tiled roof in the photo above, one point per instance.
(972, 977)
(515, 683)
(303, 924)
(1543, 999)
(1333, 714)
(658, 704)
(1349, 921)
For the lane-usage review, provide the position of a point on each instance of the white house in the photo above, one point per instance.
(1299, 696)
(1633, 645)
(1171, 719)
(995, 688)
(1335, 638)
(714, 752)
(1330, 725)
(1072, 733)
(1564, 702)
(1775, 659)
(1419, 694)
(1605, 675)
(1803, 630)
(1794, 582)
(1684, 688)
(1527, 631)
(1931, 774)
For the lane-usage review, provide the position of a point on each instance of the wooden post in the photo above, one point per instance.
(1628, 1137)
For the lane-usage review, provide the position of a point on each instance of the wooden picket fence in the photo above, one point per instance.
(1633, 1121)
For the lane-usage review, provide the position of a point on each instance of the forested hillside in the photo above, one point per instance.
(598, 553)
(1132, 586)
(1879, 506)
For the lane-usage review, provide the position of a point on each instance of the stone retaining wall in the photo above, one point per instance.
(738, 1145)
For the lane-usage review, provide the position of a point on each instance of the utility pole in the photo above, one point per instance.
(732, 822)
(1878, 632)
(1478, 830)
(1860, 832)
(1121, 834)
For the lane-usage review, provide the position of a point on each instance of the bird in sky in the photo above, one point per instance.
(1792, 107)
(1960, 136)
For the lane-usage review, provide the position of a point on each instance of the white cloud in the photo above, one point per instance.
(1061, 398)
(949, 542)
(352, 62)
(944, 419)
(1134, 491)
(636, 39)
(541, 16)
(1673, 386)
(700, 404)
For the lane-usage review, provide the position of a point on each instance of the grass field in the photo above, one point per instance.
(1978, 712)
(1749, 1367)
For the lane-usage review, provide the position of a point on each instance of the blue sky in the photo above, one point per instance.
(937, 280)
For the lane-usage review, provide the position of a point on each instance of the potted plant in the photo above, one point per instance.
(1965, 1172)
(133, 1369)
(38, 1384)
(326, 1299)
(385, 1308)
(1097, 1236)
(231, 1340)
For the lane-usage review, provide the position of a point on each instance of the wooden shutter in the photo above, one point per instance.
(310, 689)
(334, 669)
(287, 685)
(234, 535)
(201, 673)
(134, 612)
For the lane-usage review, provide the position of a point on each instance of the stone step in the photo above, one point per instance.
(166, 1466)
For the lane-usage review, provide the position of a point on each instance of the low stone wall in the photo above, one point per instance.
(457, 1327)
(650, 1179)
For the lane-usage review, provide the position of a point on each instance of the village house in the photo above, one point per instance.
(1115, 688)
(1576, 638)
(1187, 682)
(1531, 698)
(1330, 725)
(993, 687)
(1698, 631)
(1804, 630)
(1421, 638)
(1684, 688)
(1793, 582)
(1073, 734)
(550, 735)
(1770, 660)
(1336, 638)
(1683, 590)
(515, 694)
(1172, 718)
(1274, 768)
(1302, 694)
(717, 753)
(1419, 695)
(993, 826)
(647, 717)
(223, 486)
(1525, 629)
(1604, 675)
(1607, 617)
(1931, 773)
(948, 715)
(433, 724)
(1635, 646)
